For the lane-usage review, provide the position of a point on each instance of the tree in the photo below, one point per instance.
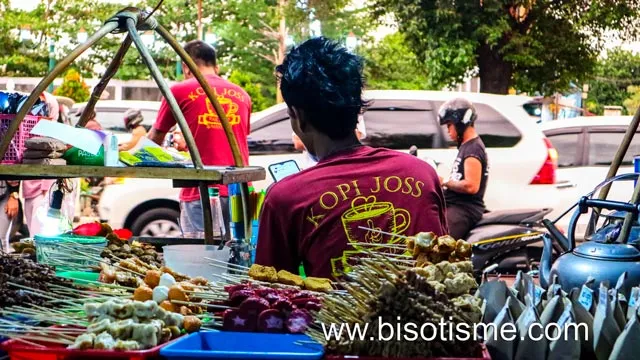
(534, 45)
(248, 83)
(73, 87)
(390, 64)
(612, 76)
(633, 102)
(19, 58)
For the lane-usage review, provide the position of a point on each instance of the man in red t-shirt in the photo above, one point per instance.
(206, 127)
(316, 217)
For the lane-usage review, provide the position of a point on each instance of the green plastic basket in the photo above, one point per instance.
(80, 277)
(70, 252)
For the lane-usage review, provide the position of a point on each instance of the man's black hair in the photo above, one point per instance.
(325, 80)
(202, 53)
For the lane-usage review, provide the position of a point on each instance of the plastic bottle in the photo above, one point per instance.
(216, 214)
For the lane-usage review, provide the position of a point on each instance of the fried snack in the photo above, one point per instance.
(436, 256)
(423, 260)
(459, 284)
(130, 265)
(463, 250)
(411, 244)
(263, 273)
(446, 244)
(285, 277)
(438, 286)
(187, 286)
(185, 311)
(176, 275)
(152, 278)
(462, 267)
(192, 324)
(318, 284)
(176, 292)
(424, 243)
(168, 306)
(200, 281)
(143, 293)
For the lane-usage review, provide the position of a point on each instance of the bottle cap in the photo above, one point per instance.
(214, 192)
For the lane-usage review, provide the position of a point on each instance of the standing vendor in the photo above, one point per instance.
(465, 188)
(321, 216)
(205, 126)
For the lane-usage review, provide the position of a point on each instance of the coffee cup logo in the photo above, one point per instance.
(378, 216)
(211, 120)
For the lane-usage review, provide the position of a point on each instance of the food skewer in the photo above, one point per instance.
(188, 303)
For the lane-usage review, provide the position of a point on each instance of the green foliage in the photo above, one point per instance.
(248, 82)
(390, 64)
(536, 46)
(73, 87)
(613, 75)
(245, 31)
(633, 102)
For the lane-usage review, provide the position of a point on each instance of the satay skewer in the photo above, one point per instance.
(189, 303)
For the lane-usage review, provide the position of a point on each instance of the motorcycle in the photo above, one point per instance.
(505, 241)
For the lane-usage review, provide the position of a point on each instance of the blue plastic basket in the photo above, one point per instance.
(243, 345)
(21, 319)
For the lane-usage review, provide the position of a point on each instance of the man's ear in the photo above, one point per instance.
(299, 115)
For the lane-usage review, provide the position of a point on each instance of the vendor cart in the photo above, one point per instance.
(131, 21)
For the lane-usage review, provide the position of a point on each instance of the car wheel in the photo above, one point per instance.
(159, 223)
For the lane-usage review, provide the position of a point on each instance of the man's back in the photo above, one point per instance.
(205, 125)
(319, 213)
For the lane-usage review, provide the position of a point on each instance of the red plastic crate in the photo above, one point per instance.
(16, 147)
(18, 350)
(485, 356)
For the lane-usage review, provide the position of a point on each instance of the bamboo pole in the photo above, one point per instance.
(108, 27)
(108, 75)
(613, 170)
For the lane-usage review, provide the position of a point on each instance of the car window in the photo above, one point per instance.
(494, 129)
(113, 119)
(604, 145)
(400, 124)
(567, 147)
(400, 129)
(272, 138)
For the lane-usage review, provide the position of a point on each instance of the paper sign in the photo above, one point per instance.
(586, 297)
(84, 139)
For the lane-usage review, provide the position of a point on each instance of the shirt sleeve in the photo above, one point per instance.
(165, 120)
(275, 245)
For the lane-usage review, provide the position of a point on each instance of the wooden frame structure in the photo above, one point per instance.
(131, 21)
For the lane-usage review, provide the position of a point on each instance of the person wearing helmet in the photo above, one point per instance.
(133, 123)
(464, 189)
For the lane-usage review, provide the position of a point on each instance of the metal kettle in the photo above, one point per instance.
(605, 256)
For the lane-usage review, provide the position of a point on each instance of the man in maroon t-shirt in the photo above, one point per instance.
(206, 127)
(328, 214)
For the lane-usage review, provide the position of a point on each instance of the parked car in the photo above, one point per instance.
(586, 147)
(110, 113)
(522, 160)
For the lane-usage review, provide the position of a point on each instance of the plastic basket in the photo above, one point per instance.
(245, 346)
(16, 147)
(70, 252)
(19, 350)
(80, 277)
(18, 318)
